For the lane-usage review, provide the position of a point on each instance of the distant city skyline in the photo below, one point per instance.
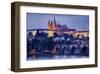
(40, 21)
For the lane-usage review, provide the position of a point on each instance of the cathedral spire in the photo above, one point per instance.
(49, 22)
(55, 21)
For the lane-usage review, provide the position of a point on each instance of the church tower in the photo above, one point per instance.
(49, 24)
(55, 24)
(52, 25)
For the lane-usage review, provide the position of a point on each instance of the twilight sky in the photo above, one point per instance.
(40, 21)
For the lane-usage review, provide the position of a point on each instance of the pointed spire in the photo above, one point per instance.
(49, 22)
(55, 21)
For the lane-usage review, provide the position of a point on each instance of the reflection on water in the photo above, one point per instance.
(56, 57)
(59, 46)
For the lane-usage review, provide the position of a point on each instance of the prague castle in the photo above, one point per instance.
(54, 26)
